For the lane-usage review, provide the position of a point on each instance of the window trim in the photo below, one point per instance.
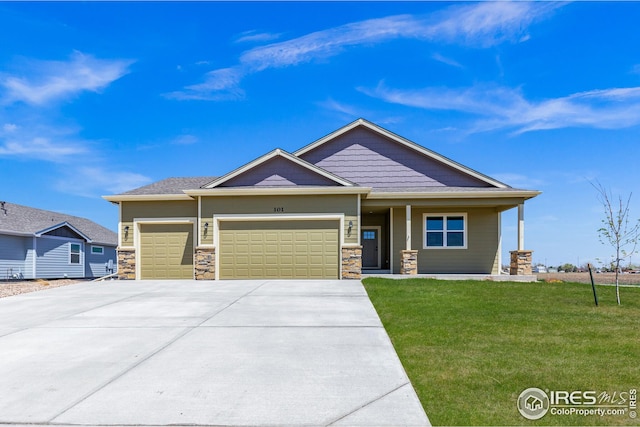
(72, 253)
(101, 252)
(445, 215)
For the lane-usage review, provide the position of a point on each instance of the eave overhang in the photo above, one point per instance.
(117, 198)
(524, 194)
(275, 191)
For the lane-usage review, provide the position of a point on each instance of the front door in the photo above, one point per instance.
(370, 247)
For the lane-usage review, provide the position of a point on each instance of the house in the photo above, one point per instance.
(35, 243)
(359, 199)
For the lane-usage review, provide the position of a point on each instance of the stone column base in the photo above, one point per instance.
(409, 262)
(352, 262)
(126, 264)
(520, 263)
(205, 265)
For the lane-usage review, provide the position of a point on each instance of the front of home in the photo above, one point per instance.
(36, 243)
(359, 199)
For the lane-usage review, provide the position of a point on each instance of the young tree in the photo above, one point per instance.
(618, 230)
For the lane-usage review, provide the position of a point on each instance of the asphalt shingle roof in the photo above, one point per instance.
(172, 185)
(26, 220)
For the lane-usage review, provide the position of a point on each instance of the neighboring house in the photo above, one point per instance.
(360, 198)
(35, 243)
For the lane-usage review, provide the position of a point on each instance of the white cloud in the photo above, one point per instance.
(483, 24)
(41, 148)
(185, 139)
(49, 81)
(501, 107)
(448, 61)
(9, 127)
(518, 180)
(92, 181)
(221, 84)
(253, 36)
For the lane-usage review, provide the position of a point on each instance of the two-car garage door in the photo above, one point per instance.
(295, 249)
(302, 249)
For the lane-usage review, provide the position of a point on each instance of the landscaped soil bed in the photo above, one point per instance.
(8, 288)
(599, 278)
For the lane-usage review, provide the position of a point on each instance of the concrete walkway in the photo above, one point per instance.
(225, 353)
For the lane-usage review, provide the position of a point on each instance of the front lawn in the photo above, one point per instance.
(471, 347)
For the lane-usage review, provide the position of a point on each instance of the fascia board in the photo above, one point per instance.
(525, 194)
(145, 197)
(60, 225)
(277, 153)
(247, 191)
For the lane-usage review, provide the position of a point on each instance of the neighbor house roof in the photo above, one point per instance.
(24, 220)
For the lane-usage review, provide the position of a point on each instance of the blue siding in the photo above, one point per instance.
(95, 262)
(13, 255)
(53, 258)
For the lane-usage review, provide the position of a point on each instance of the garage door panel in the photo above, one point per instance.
(166, 251)
(279, 249)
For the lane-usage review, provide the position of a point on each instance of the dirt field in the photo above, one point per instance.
(14, 288)
(602, 278)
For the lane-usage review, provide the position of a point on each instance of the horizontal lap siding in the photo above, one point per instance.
(13, 255)
(153, 209)
(265, 205)
(480, 257)
(96, 262)
(53, 259)
(278, 172)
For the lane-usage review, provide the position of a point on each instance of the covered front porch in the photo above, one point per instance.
(442, 237)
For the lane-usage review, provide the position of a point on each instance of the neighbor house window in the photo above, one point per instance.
(97, 250)
(74, 253)
(445, 231)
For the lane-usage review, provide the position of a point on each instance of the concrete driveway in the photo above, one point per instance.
(248, 353)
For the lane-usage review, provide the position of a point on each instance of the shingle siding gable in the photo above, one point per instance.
(278, 172)
(372, 160)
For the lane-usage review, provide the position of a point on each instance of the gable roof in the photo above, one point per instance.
(27, 221)
(279, 153)
(405, 143)
(173, 185)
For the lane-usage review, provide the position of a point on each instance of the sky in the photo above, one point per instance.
(98, 98)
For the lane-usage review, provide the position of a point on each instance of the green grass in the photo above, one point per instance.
(470, 347)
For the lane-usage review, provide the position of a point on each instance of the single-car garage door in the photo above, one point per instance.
(301, 249)
(166, 251)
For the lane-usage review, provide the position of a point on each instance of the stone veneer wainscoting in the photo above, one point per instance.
(126, 264)
(520, 263)
(352, 262)
(409, 262)
(205, 263)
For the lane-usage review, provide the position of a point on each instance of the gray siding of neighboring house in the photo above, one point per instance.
(278, 172)
(372, 160)
(13, 255)
(95, 263)
(53, 258)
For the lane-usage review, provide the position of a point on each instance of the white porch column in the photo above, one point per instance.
(408, 247)
(521, 227)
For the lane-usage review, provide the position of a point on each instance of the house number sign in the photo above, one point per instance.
(278, 209)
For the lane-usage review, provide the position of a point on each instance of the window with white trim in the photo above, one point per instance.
(97, 250)
(74, 253)
(445, 231)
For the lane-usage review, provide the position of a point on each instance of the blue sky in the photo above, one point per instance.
(100, 98)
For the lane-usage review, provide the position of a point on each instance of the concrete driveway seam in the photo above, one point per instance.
(154, 352)
(367, 404)
(66, 316)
